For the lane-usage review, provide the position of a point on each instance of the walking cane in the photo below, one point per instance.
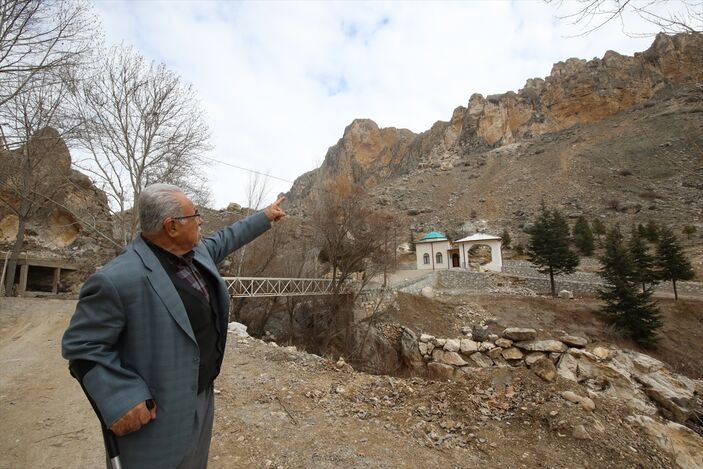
(78, 369)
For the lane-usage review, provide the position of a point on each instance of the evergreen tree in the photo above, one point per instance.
(651, 231)
(598, 229)
(505, 238)
(671, 261)
(642, 262)
(688, 230)
(583, 237)
(629, 309)
(548, 247)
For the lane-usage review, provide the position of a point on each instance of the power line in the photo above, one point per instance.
(247, 169)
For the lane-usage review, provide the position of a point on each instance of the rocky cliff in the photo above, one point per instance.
(576, 95)
(66, 208)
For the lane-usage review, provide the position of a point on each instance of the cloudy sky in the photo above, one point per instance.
(279, 81)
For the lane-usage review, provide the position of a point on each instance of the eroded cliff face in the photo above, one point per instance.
(63, 201)
(576, 92)
(581, 92)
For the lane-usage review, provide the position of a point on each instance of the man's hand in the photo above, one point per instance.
(134, 419)
(274, 212)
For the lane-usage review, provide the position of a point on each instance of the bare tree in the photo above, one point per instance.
(33, 169)
(669, 16)
(352, 238)
(140, 125)
(39, 36)
(257, 190)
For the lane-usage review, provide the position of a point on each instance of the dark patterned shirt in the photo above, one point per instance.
(184, 269)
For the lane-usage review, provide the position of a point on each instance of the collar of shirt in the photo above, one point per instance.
(173, 259)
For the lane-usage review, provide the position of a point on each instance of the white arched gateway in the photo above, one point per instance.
(480, 239)
(435, 251)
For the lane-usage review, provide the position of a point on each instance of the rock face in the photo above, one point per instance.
(681, 441)
(576, 92)
(58, 223)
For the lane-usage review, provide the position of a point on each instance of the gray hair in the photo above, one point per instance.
(156, 203)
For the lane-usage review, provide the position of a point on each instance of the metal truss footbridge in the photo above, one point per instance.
(247, 287)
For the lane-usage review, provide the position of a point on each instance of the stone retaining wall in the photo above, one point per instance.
(642, 381)
(523, 276)
(584, 282)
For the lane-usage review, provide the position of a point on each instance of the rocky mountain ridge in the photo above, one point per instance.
(565, 120)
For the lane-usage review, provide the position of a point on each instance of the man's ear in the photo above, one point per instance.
(170, 227)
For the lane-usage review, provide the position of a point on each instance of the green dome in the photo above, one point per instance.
(433, 236)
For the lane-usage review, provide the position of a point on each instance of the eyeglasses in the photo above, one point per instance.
(195, 215)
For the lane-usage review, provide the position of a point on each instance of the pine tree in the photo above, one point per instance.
(548, 246)
(688, 230)
(583, 237)
(642, 262)
(630, 310)
(598, 229)
(505, 238)
(671, 261)
(651, 231)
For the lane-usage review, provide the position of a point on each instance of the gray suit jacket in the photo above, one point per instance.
(131, 323)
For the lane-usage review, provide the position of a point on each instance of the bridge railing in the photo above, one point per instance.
(266, 287)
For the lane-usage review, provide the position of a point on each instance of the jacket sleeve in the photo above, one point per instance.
(92, 337)
(236, 235)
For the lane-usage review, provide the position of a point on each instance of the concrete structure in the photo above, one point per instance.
(431, 251)
(493, 242)
(36, 275)
(434, 251)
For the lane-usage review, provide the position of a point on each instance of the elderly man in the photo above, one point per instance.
(148, 334)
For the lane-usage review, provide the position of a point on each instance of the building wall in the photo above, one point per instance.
(431, 249)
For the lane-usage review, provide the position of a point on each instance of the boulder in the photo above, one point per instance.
(574, 341)
(495, 353)
(566, 295)
(426, 338)
(423, 348)
(517, 333)
(427, 292)
(440, 371)
(479, 333)
(452, 345)
(580, 433)
(448, 358)
(468, 346)
(410, 351)
(669, 392)
(601, 352)
(681, 443)
(238, 329)
(512, 353)
(544, 368)
(504, 343)
(585, 402)
(485, 346)
(533, 357)
(542, 346)
(481, 360)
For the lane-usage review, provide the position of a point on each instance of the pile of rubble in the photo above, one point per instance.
(638, 379)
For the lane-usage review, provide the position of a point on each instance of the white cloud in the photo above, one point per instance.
(279, 81)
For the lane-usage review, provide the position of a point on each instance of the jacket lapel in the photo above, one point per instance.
(163, 286)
